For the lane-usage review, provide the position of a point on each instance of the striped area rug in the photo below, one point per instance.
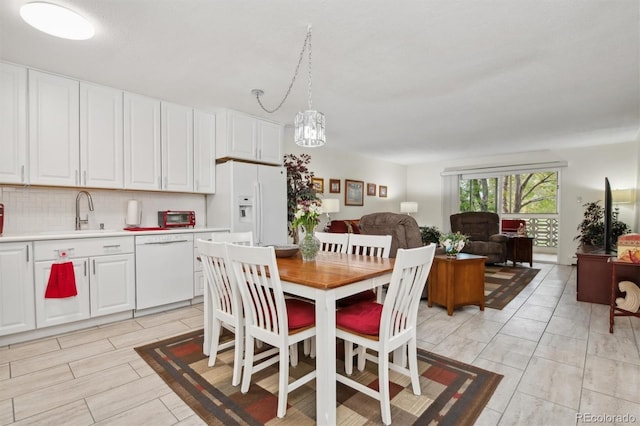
(453, 393)
(502, 284)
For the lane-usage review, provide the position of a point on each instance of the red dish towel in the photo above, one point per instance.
(62, 281)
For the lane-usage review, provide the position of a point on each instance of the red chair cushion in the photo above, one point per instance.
(300, 313)
(363, 318)
(363, 296)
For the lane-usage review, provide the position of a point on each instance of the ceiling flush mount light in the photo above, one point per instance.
(57, 21)
(309, 124)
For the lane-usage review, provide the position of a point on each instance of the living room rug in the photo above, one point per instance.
(503, 283)
(453, 393)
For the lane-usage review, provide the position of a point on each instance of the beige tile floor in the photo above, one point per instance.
(558, 360)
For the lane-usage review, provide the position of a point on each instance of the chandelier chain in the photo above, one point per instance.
(307, 40)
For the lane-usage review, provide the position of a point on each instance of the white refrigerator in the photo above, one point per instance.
(250, 197)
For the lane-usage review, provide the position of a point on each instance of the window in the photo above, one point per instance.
(526, 193)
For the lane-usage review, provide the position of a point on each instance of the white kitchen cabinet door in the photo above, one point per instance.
(177, 147)
(69, 309)
(142, 155)
(204, 152)
(17, 312)
(54, 148)
(243, 137)
(13, 124)
(269, 142)
(101, 137)
(112, 284)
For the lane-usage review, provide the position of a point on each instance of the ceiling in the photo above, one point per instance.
(408, 82)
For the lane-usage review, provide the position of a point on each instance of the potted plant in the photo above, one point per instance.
(591, 228)
(430, 234)
(299, 187)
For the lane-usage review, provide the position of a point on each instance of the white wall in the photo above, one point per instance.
(42, 209)
(330, 163)
(583, 180)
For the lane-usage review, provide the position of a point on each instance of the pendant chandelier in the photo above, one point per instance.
(309, 124)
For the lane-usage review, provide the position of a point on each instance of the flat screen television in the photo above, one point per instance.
(608, 214)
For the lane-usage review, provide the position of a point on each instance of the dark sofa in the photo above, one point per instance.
(483, 230)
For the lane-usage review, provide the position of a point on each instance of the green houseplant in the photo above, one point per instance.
(299, 187)
(591, 228)
(430, 234)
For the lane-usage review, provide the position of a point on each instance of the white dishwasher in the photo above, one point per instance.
(164, 269)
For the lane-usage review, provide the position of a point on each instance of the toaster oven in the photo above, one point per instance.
(176, 218)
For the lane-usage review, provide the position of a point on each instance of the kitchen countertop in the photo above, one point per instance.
(96, 233)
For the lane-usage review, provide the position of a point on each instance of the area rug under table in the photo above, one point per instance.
(453, 393)
(502, 284)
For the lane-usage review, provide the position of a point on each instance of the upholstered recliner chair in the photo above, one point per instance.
(404, 230)
(483, 230)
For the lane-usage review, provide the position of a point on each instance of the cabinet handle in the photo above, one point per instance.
(22, 173)
(27, 253)
(111, 246)
(94, 267)
(85, 267)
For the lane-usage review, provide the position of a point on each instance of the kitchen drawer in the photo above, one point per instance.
(85, 247)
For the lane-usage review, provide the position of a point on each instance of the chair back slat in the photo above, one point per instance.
(333, 242)
(369, 245)
(241, 238)
(410, 272)
(256, 272)
(219, 277)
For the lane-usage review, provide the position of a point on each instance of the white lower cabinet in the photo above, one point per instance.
(17, 312)
(104, 271)
(198, 273)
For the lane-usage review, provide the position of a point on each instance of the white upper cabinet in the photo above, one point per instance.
(142, 155)
(204, 152)
(177, 147)
(13, 124)
(54, 146)
(269, 142)
(101, 137)
(240, 136)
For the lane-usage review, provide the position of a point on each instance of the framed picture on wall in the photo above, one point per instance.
(371, 189)
(318, 185)
(382, 191)
(334, 186)
(353, 192)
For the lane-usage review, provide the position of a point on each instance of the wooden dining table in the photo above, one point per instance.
(330, 277)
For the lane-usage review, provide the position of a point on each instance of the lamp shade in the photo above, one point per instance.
(409, 207)
(330, 205)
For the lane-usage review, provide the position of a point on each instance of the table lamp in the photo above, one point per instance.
(408, 207)
(330, 205)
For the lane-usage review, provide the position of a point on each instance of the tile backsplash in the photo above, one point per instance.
(54, 209)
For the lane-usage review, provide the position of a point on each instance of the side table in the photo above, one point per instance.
(621, 271)
(520, 249)
(456, 281)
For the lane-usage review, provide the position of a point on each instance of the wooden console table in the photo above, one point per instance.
(621, 271)
(520, 249)
(594, 277)
(456, 281)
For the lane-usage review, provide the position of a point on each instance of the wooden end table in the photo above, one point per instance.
(456, 281)
(520, 249)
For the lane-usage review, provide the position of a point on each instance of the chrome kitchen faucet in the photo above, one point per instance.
(79, 221)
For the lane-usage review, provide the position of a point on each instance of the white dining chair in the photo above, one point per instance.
(242, 238)
(387, 327)
(225, 305)
(269, 316)
(369, 245)
(333, 242)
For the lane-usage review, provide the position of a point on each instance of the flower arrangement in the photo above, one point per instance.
(453, 242)
(307, 215)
